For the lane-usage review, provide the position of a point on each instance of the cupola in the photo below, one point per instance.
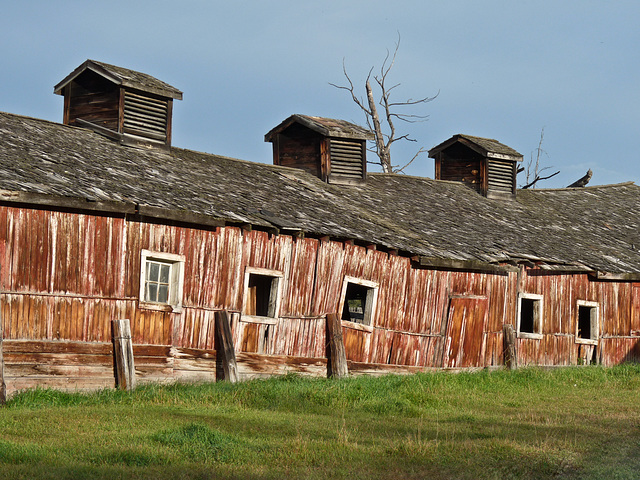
(129, 106)
(484, 164)
(333, 150)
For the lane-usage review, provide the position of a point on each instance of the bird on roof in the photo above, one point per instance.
(582, 181)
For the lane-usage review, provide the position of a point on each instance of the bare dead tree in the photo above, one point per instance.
(385, 130)
(533, 170)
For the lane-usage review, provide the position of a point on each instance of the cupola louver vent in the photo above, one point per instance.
(484, 164)
(346, 158)
(500, 175)
(130, 107)
(333, 150)
(145, 116)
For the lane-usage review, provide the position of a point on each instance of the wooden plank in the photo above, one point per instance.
(509, 335)
(3, 385)
(224, 347)
(123, 351)
(337, 365)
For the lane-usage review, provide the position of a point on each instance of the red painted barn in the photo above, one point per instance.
(101, 219)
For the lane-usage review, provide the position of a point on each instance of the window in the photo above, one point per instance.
(161, 280)
(529, 316)
(359, 299)
(588, 321)
(262, 293)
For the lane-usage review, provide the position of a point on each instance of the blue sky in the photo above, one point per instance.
(503, 69)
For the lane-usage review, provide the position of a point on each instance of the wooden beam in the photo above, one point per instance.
(183, 216)
(123, 355)
(57, 201)
(469, 265)
(509, 340)
(337, 364)
(621, 277)
(3, 385)
(224, 346)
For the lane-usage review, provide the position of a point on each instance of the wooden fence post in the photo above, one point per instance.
(123, 355)
(224, 346)
(337, 364)
(3, 385)
(509, 337)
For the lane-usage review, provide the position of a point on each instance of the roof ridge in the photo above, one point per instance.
(573, 189)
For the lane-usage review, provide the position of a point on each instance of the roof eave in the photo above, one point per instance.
(87, 65)
(116, 79)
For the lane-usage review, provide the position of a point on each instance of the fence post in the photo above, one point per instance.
(337, 364)
(123, 355)
(224, 346)
(3, 385)
(509, 337)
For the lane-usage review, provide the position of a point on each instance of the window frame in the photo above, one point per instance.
(594, 323)
(276, 289)
(538, 311)
(371, 301)
(176, 280)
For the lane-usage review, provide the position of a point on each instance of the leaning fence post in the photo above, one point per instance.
(123, 355)
(509, 337)
(337, 365)
(3, 385)
(224, 346)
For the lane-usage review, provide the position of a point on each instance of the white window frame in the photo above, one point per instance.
(537, 315)
(594, 322)
(370, 302)
(276, 290)
(176, 279)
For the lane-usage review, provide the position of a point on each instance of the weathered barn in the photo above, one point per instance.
(101, 219)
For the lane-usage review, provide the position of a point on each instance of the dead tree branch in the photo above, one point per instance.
(533, 171)
(382, 123)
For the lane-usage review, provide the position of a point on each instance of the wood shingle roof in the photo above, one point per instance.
(124, 77)
(593, 228)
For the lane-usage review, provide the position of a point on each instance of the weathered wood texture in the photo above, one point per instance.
(224, 347)
(124, 364)
(619, 322)
(65, 276)
(510, 358)
(93, 98)
(337, 355)
(299, 147)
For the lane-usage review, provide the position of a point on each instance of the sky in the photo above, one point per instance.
(500, 69)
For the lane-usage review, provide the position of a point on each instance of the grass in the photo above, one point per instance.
(565, 423)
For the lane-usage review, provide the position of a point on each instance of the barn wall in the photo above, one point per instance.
(619, 321)
(64, 276)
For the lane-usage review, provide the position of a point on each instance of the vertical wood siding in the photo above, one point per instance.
(65, 276)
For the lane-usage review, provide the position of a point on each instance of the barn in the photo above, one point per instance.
(277, 267)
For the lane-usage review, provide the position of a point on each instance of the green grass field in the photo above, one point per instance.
(529, 424)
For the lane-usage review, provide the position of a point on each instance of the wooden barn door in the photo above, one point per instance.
(464, 340)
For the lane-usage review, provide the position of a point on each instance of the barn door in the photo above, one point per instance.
(464, 340)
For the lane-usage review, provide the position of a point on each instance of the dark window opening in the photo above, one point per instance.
(527, 315)
(357, 303)
(585, 322)
(261, 295)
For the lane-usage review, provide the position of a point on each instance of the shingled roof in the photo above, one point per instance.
(590, 229)
(124, 77)
(487, 147)
(328, 127)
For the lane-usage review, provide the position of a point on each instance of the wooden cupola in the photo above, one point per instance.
(131, 107)
(484, 164)
(333, 150)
